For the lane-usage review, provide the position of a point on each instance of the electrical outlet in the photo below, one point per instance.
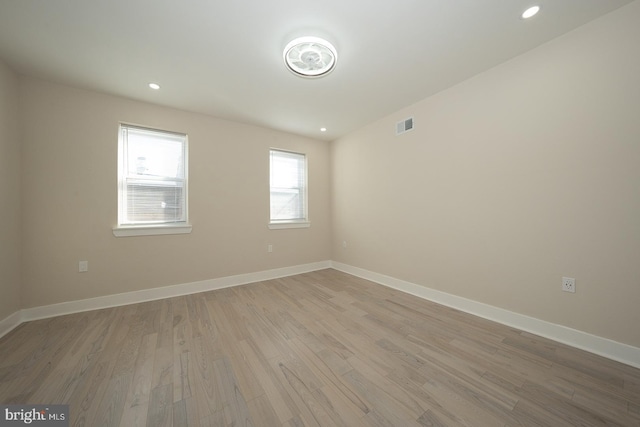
(569, 284)
(83, 266)
(269, 248)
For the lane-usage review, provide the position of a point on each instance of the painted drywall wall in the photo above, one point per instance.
(70, 199)
(10, 244)
(511, 180)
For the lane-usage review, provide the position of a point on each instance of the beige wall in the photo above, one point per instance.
(511, 180)
(9, 194)
(70, 199)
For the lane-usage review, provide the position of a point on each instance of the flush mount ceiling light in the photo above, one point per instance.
(310, 56)
(154, 86)
(531, 12)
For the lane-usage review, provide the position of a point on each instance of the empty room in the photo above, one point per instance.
(279, 213)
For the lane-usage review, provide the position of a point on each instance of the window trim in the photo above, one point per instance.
(279, 224)
(153, 230)
(149, 229)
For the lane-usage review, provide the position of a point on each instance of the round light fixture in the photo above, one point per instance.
(531, 12)
(154, 86)
(310, 56)
(323, 129)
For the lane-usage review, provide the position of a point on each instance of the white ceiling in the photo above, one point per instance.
(224, 57)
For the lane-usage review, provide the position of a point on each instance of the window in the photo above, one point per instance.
(152, 182)
(288, 183)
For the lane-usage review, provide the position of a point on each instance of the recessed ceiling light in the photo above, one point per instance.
(323, 129)
(310, 56)
(154, 86)
(532, 11)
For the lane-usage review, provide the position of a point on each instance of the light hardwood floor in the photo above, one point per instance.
(317, 349)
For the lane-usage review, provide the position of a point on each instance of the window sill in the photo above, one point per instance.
(151, 230)
(292, 224)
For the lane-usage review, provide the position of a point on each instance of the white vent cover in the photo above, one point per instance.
(404, 126)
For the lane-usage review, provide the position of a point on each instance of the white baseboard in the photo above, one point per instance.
(623, 353)
(10, 323)
(135, 297)
(619, 352)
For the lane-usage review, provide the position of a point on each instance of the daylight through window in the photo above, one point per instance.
(288, 184)
(152, 177)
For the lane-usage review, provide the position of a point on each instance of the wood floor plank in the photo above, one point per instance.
(234, 401)
(331, 379)
(264, 374)
(303, 393)
(84, 402)
(109, 412)
(77, 362)
(206, 385)
(563, 408)
(161, 407)
(53, 347)
(317, 349)
(246, 381)
(183, 371)
(88, 395)
(384, 409)
(186, 413)
(137, 400)
(262, 412)
(163, 358)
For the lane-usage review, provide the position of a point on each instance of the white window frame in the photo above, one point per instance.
(304, 222)
(126, 228)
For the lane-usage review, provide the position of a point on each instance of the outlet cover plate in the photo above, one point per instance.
(569, 284)
(83, 266)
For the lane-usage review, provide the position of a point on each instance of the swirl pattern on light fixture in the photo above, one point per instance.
(310, 56)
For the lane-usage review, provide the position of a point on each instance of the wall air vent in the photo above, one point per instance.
(404, 126)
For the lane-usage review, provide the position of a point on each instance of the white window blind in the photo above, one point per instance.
(152, 177)
(288, 182)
